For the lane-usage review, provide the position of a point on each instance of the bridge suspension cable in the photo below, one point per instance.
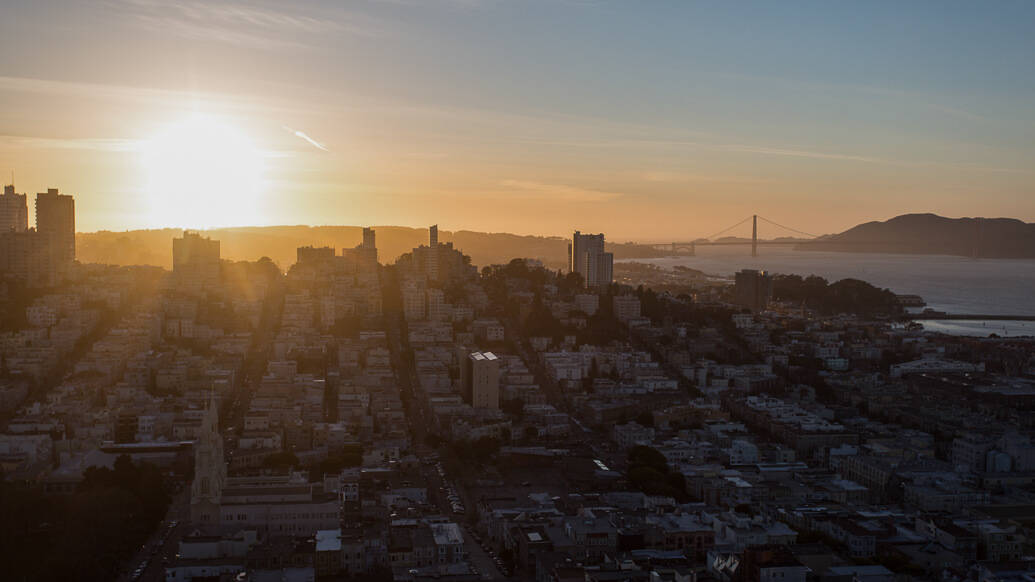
(727, 229)
(794, 230)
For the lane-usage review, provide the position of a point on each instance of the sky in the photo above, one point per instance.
(646, 120)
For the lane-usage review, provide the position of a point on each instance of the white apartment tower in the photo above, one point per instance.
(480, 374)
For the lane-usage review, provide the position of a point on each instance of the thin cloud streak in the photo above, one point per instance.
(301, 134)
(560, 191)
(152, 96)
(94, 144)
(238, 24)
(774, 151)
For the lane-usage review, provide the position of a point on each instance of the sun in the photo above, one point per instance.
(202, 172)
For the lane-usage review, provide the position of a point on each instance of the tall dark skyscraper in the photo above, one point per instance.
(55, 220)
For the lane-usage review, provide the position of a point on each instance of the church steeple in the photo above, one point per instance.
(209, 470)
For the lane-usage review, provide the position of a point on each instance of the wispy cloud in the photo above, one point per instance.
(233, 103)
(771, 151)
(559, 191)
(470, 4)
(796, 153)
(669, 177)
(253, 26)
(94, 144)
(301, 134)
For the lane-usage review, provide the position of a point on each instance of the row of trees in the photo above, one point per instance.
(844, 296)
(87, 535)
(649, 472)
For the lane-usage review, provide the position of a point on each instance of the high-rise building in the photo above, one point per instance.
(480, 374)
(196, 261)
(587, 257)
(55, 220)
(14, 211)
(42, 256)
(366, 252)
(436, 262)
(431, 264)
(369, 238)
(753, 289)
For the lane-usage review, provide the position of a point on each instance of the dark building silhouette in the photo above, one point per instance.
(41, 256)
(365, 254)
(195, 261)
(753, 289)
(14, 212)
(313, 255)
(55, 219)
(436, 262)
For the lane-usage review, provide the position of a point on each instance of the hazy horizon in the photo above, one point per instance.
(743, 231)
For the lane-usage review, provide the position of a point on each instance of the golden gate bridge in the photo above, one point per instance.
(689, 248)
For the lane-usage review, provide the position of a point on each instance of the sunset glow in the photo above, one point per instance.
(201, 171)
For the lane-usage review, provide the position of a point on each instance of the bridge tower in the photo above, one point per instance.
(754, 235)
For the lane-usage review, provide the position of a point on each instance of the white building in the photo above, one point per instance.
(480, 375)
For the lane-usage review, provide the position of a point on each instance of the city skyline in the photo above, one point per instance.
(652, 125)
(517, 291)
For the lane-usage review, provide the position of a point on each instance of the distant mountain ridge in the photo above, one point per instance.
(993, 238)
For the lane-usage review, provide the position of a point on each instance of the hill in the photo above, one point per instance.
(994, 238)
(154, 247)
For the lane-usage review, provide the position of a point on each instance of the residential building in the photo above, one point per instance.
(753, 289)
(14, 212)
(480, 375)
(587, 257)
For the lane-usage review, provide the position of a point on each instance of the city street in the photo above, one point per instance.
(163, 543)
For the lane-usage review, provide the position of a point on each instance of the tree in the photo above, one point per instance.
(645, 418)
(649, 472)
(645, 456)
(87, 535)
(844, 296)
(350, 456)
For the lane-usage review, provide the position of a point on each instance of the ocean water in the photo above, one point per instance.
(947, 283)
